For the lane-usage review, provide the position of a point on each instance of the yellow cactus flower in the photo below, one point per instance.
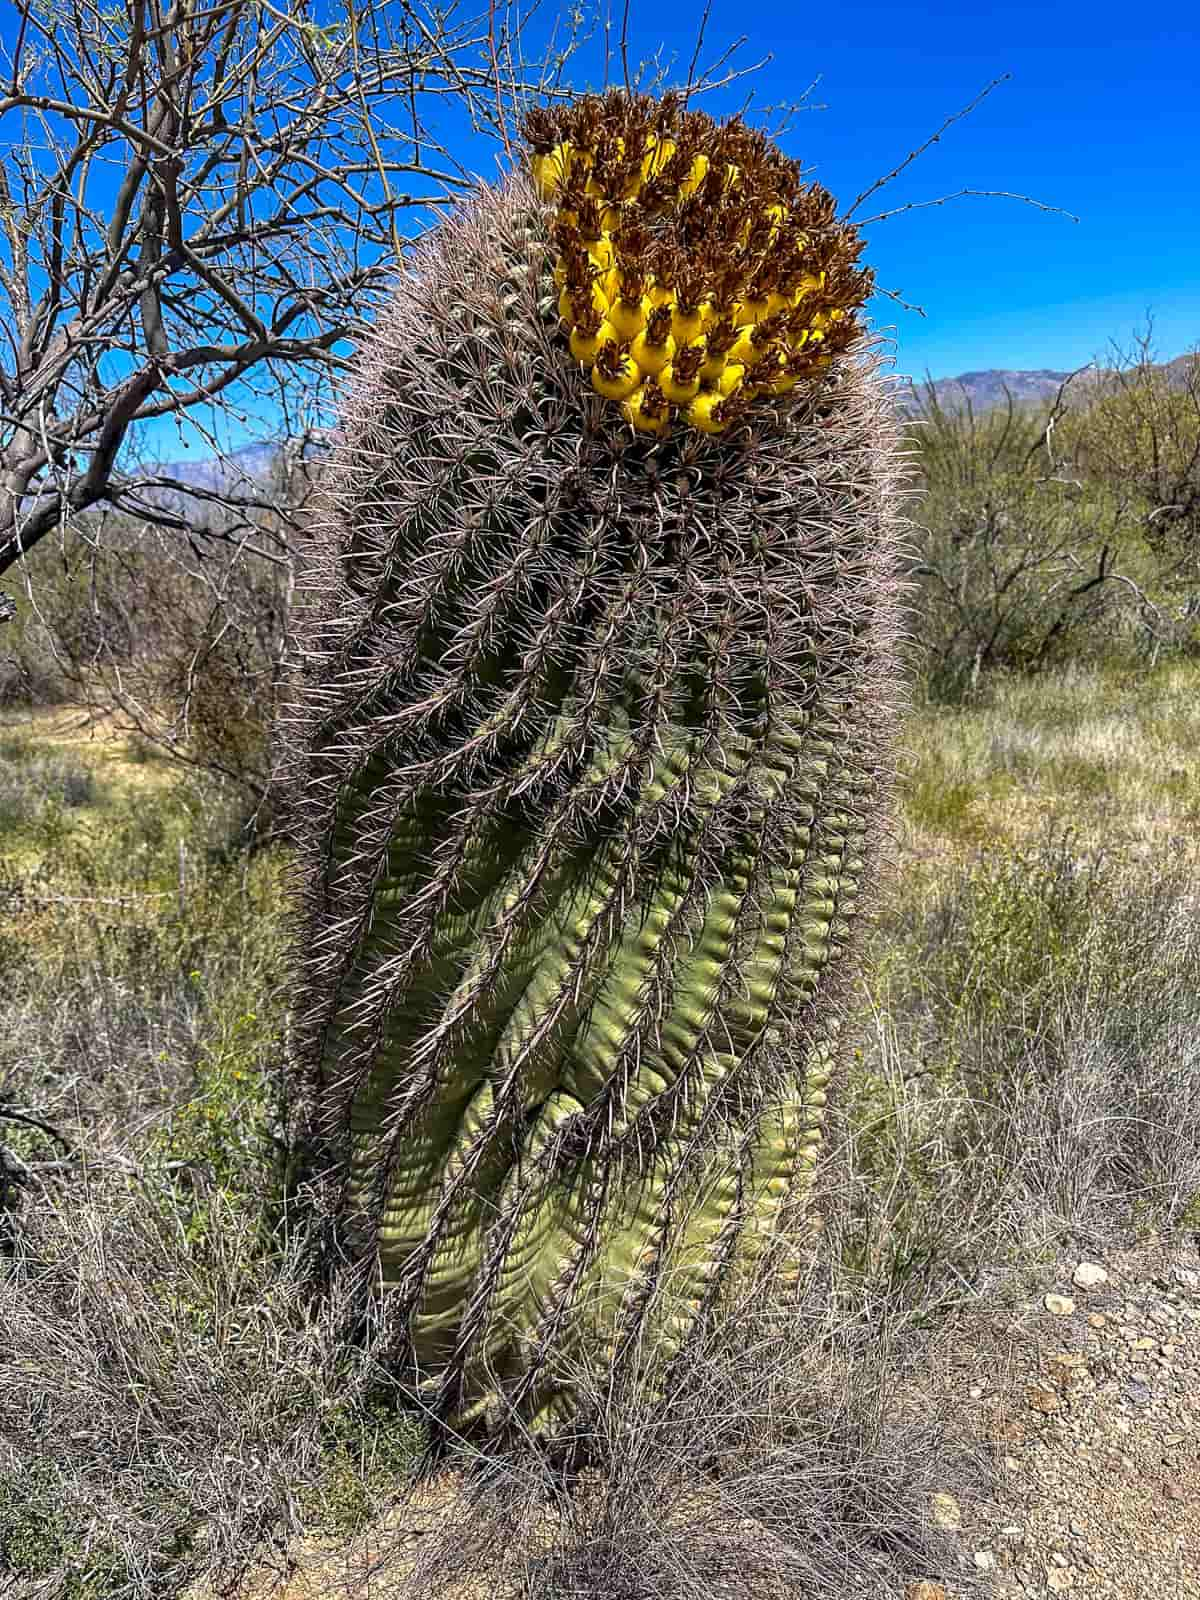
(651, 357)
(551, 170)
(677, 391)
(689, 325)
(749, 310)
(628, 317)
(658, 153)
(634, 309)
(807, 285)
(600, 252)
(586, 346)
(702, 412)
(712, 366)
(695, 177)
(615, 374)
(743, 348)
(640, 410)
(568, 310)
(782, 384)
(731, 377)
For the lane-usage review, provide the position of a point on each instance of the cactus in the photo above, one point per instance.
(590, 750)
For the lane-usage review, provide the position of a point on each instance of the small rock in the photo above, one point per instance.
(1087, 1275)
(976, 1392)
(945, 1511)
(1137, 1394)
(1097, 1319)
(1186, 1276)
(1059, 1559)
(1011, 1464)
(1043, 1400)
(985, 1560)
(1060, 1578)
(1014, 1530)
(924, 1590)
(1173, 1491)
(1059, 1305)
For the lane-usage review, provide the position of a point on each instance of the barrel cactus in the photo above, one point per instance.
(590, 751)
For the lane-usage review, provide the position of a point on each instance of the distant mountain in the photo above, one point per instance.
(240, 474)
(983, 391)
(249, 465)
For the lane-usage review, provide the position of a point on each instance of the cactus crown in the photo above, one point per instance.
(662, 210)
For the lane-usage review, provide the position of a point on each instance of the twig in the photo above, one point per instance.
(704, 15)
(992, 194)
(921, 149)
(894, 294)
(42, 900)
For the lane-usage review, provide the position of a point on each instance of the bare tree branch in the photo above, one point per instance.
(198, 197)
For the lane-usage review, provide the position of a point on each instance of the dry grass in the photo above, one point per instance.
(175, 1414)
(1112, 752)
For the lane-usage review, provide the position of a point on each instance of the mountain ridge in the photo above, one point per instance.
(990, 387)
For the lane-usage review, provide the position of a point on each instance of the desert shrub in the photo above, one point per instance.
(1017, 564)
(1140, 436)
(32, 786)
(158, 1326)
(190, 1395)
(1032, 1065)
(797, 1455)
(184, 641)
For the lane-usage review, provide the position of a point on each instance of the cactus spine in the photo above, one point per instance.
(590, 747)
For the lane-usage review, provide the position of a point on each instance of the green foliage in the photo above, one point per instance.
(46, 1534)
(1014, 561)
(1139, 436)
(120, 622)
(1060, 532)
(369, 1449)
(956, 807)
(221, 1135)
(1026, 918)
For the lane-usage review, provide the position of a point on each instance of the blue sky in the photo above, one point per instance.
(1097, 117)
